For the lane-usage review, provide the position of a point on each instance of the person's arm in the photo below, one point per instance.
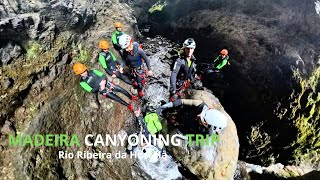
(191, 102)
(145, 57)
(217, 58)
(174, 74)
(88, 88)
(100, 74)
(114, 38)
(222, 64)
(183, 102)
(194, 70)
(121, 63)
(103, 63)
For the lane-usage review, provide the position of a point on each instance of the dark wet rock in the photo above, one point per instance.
(9, 52)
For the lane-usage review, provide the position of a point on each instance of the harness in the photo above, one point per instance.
(140, 71)
(109, 88)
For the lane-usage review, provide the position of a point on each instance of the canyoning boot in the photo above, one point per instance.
(134, 98)
(130, 107)
(173, 120)
(140, 93)
(135, 84)
(173, 98)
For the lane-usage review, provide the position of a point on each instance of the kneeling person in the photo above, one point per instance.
(197, 117)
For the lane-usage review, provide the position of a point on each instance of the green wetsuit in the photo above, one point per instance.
(220, 62)
(109, 64)
(91, 83)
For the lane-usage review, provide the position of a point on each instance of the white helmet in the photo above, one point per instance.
(189, 43)
(124, 41)
(151, 153)
(216, 119)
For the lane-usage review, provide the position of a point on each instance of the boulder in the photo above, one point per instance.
(219, 161)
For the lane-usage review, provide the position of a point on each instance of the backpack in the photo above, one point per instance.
(153, 123)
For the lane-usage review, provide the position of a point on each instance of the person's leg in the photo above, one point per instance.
(123, 78)
(117, 88)
(139, 81)
(113, 96)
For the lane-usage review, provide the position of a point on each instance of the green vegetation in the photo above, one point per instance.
(305, 116)
(34, 50)
(158, 6)
(81, 53)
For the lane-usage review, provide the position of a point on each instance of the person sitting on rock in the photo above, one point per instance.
(196, 117)
(115, 37)
(221, 60)
(184, 69)
(95, 81)
(110, 63)
(134, 56)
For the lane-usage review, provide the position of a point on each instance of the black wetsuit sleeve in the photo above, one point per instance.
(104, 77)
(174, 74)
(177, 102)
(109, 71)
(194, 70)
(145, 57)
(95, 89)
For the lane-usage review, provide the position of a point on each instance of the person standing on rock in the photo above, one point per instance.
(184, 69)
(110, 63)
(95, 81)
(221, 60)
(195, 117)
(115, 38)
(134, 56)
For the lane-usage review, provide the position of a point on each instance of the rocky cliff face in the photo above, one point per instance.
(40, 41)
(274, 50)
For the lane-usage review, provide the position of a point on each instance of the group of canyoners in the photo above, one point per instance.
(196, 116)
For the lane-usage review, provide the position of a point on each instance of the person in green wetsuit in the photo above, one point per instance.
(110, 63)
(95, 81)
(221, 60)
(115, 38)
